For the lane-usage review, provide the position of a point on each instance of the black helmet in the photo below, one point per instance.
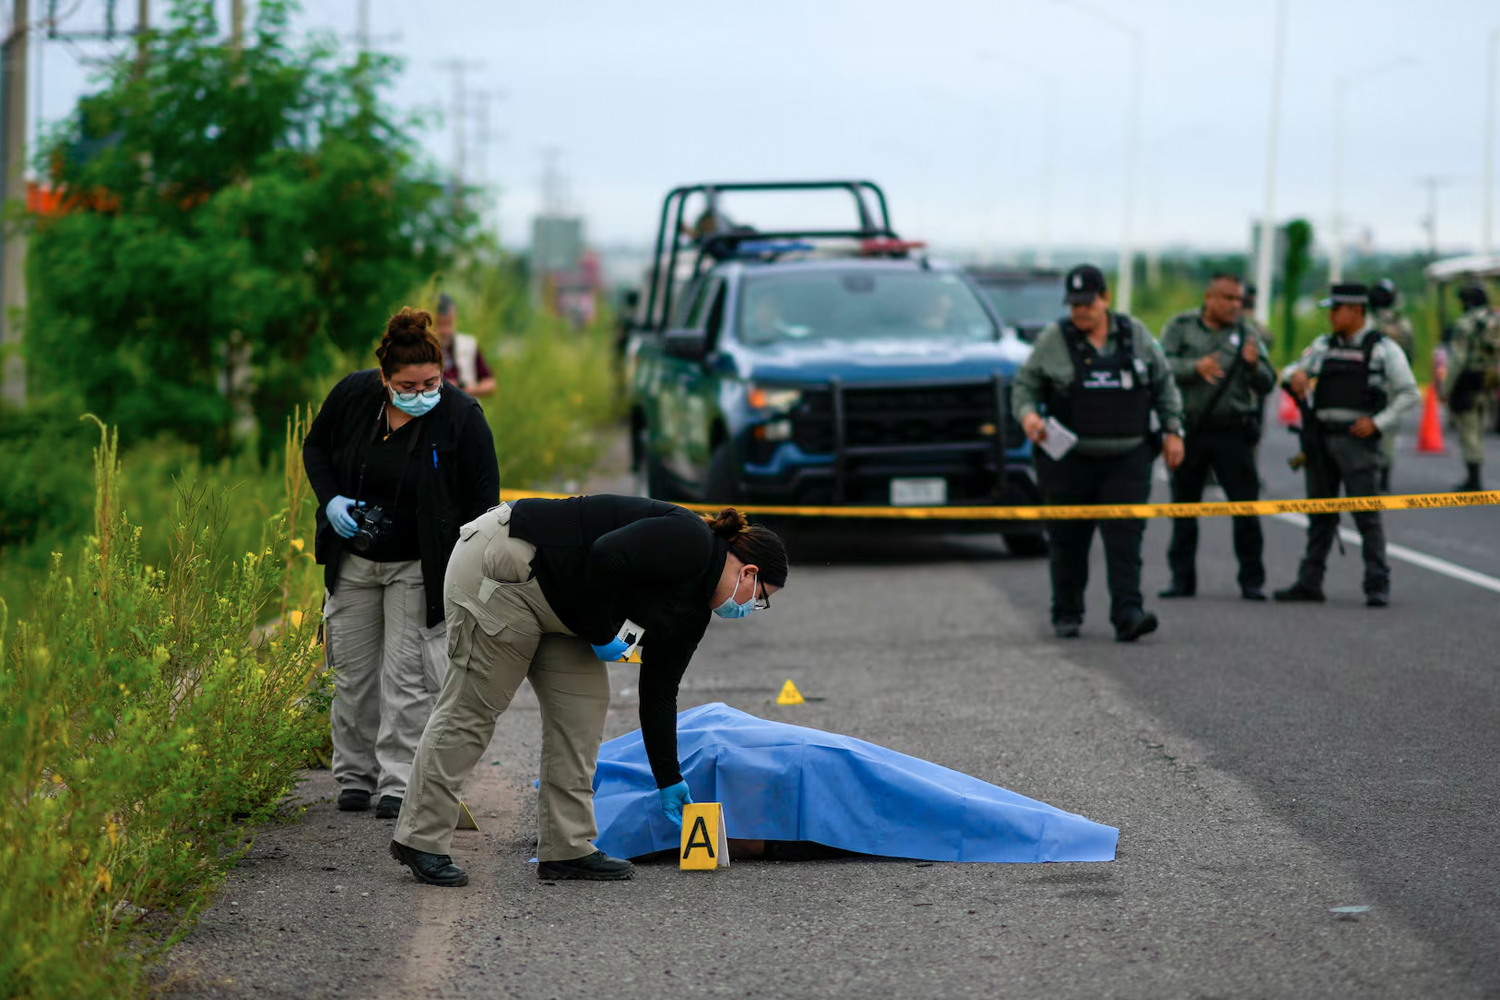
(1383, 294)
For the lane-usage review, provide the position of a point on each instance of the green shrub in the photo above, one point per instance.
(146, 718)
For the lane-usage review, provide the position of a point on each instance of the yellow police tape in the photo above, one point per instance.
(1332, 505)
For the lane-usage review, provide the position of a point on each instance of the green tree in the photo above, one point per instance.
(1298, 261)
(232, 222)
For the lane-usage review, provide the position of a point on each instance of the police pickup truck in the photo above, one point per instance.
(822, 367)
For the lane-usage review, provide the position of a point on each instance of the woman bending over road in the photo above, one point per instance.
(543, 589)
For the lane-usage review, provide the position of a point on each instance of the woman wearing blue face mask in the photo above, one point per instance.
(398, 460)
(551, 591)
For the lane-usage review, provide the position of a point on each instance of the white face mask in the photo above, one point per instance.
(733, 609)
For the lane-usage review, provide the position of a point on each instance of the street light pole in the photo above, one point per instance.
(1486, 241)
(1263, 263)
(1132, 154)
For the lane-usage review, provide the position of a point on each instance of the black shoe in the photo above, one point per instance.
(596, 867)
(434, 869)
(1177, 590)
(1066, 629)
(1299, 592)
(1377, 600)
(354, 800)
(1252, 594)
(389, 808)
(1138, 624)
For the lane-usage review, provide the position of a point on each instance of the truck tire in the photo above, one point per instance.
(719, 486)
(649, 468)
(1025, 545)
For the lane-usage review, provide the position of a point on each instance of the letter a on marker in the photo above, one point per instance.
(705, 845)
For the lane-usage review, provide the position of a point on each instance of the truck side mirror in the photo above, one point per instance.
(690, 345)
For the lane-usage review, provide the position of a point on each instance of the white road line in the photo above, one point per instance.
(1406, 555)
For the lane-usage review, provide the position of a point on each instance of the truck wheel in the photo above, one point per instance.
(719, 487)
(1025, 545)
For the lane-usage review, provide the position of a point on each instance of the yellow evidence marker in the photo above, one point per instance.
(790, 695)
(465, 818)
(705, 845)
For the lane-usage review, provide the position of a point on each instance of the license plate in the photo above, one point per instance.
(919, 492)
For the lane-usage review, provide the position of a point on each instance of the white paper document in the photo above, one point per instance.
(1059, 440)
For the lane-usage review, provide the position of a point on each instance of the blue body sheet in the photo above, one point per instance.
(781, 782)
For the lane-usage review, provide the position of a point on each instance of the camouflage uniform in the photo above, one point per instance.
(1472, 357)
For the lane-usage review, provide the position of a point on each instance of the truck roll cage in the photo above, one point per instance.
(717, 245)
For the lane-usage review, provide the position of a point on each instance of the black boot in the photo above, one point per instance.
(353, 800)
(1299, 592)
(596, 867)
(434, 869)
(1471, 484)
(389, 808)
(1138, 624)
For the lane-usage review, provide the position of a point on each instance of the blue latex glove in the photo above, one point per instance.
(338, 516)
(612, 650)
(673, 798)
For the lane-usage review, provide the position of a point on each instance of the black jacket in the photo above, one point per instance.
(602, 559)
(458, 475)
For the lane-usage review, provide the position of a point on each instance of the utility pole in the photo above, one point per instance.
(1430, 220)
(236, 25)
(459, 120)
(1487, 235)
(142, 27)
(362, 28)
(13, 73)
(1264, 260)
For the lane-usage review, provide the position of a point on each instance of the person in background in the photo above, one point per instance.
(463, 361)
(1101, 375)
(1473, 354)
(398, 460)
(1385, 316)
(1360, 387)
(1222, 369)
(546, 590)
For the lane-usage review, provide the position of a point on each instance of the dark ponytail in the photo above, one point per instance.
(752, 544)
(409, 340)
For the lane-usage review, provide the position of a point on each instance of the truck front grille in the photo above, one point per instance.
(896, 417)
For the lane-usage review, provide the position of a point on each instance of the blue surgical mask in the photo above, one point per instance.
(733, 609)
(414, 404)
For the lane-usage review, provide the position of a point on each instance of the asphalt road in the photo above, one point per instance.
(1264, 764)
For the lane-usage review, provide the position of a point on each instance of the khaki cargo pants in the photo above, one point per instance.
(501, 631)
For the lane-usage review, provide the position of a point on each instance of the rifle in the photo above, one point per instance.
(1310, 433)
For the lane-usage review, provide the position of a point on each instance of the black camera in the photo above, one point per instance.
(373, 524)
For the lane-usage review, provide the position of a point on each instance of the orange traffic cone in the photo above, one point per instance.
(1288, 413)
(1430, 436)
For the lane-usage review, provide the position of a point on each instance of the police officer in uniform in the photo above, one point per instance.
(1220, 364)
(1101, 375)
(1472, 355)
(1357, 385)
(1385, 316)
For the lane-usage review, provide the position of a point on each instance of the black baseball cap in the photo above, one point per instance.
(1347, 295)
(1083, 284)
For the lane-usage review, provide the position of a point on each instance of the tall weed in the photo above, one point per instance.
(146, 719)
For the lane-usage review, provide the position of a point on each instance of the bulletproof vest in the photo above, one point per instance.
(1108, 396)
(1344, 380)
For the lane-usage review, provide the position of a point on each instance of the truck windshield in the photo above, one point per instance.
(855, 304)
(1026, 303)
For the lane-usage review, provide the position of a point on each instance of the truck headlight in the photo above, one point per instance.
(779, 400)
(776, 430)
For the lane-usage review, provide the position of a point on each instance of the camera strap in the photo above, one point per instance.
(364, 462)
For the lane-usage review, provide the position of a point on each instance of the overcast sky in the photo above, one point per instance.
(949, 105)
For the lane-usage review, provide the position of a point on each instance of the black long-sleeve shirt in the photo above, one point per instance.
(603, 559)
(452, 456)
